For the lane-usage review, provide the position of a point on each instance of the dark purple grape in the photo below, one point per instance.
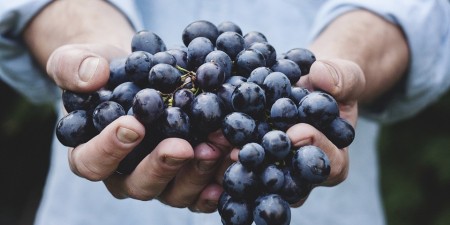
(340, 132)
(138, 65)
(311, 164)
(200, 28)
(198, 49)
(148, 106)
(303, 57)
(238, 128)
(228, 26)
(297, 93)
(222, 59)
(117, 73)
(258, 75)
(293, 189)
(209, 76)
(251, 155)
(249, 98)
(272, 178)
(75, 128)
(175, 123)
(104, 95)
(318, 109)
(276, 85)
(268, 51)
(248, 60)
(236, 80)
(240, 183)
(124, 94)
(224, 92)
(164, 57)
(283, 114)
(236, 213)
(288, 68)
(252, 37)
(231, 43)
(271, 210)
(183, 98)
(164, 78)
(223, 199)
(277, 144)
(207, 112)
(180, 57)
(147, 41)
(79, 101)
(105, 113)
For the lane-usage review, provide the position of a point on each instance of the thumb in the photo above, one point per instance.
(81, 67)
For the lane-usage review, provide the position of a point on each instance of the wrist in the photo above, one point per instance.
(76, 22)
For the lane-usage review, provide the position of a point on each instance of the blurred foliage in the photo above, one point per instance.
(415, 167)
(25, 138)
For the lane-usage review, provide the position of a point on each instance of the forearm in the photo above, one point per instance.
(377, 46)
(76, 21)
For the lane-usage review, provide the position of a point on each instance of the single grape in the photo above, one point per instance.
(249, 98)
(340, 132)
(277, 144)
(200, 28)
(303, 57)
(258, 75)
(175, 123)
(164, 57)
(183, 98)
(262, 127)
(198, 49)
(252, 37)
(288, 68)
(180, 57)
(148, 106)
(236, 80)
(228, 26)
(248, 60)
(105, 113)
(240, 183)
(164, 78)
(272, 178)
(138, 65)
(117, 73)
(124, 94)
(79, 101)
(75, 128)
(311, 164)
(271, 209)
(283, 114)
(231, 43)
(209, 76)
(222, 59)
(293, 189)
(276, 85)
(297, 93)
(224, 92)
(318, 109)
(251, 155)
(238, 128)
(236, 212)
(207, 112)
(147, 41)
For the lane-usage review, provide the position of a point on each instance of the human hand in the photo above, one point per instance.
(175, 173)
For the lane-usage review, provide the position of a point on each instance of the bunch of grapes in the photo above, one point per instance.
(219, 79)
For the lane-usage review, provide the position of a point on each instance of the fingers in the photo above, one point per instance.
(208, 199)
(154, 172)
(81, 68)
(99, 157)
(304, 134)
(198, 173)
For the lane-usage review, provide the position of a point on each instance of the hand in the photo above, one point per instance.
(174, 172)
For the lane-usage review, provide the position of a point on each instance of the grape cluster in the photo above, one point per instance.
(219, 79)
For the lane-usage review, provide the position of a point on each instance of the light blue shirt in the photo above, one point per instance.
(71, 200)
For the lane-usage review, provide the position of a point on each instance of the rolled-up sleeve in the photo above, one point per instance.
(427, 30)
(17, 66)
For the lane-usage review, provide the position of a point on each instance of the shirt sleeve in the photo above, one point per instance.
(17, 66)
(426, 27)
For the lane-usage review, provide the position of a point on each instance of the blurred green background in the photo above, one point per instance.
(414, 156)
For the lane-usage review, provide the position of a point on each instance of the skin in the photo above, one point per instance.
(76, 57)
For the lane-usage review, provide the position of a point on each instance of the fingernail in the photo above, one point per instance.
(174, 161)
(87, 68)
(126, 135)
(206, 165)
